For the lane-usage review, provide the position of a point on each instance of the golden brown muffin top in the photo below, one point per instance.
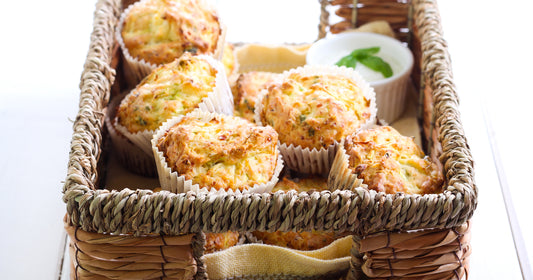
(219, 241)
(314, 183)
(223, 152)
(390, 162)
(159, 31)
(246, 90)
(314, 111)
(302, 240)
(170, 90)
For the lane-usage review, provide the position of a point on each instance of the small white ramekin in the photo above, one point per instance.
(391, 92)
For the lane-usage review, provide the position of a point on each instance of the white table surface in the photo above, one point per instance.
(42, 52)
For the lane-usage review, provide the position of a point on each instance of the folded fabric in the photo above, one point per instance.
(260, 259)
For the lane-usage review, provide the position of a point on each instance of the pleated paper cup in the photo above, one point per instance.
(220, 100)
(172, 181)
(128, 153)
(312, 160)
(341, 176)
(140, 68)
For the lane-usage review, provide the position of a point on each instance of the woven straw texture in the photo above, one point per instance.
(424, 254)
(104, 256)
(92, 208)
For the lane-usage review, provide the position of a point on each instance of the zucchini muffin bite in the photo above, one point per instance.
(209, 151)
(389, 162)
(302, 240)
(128, 154)
(176, 88)
(215, 242)
(246, 90)
(306, 184)
(155, 32)
(313, 109)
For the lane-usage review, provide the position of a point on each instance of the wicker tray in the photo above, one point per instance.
(142, 214)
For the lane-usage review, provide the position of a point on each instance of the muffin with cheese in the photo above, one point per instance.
(125, 151)
(246, 90)
(304, 184)
(155, 32)
(313, 109)
(215, 242)
(176, 88)
(301, 240)
(209, 151)
(389, 162)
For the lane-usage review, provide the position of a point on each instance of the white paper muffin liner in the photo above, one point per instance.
(220, 100)
(318, 161)
(341, 176)
(171, 181)
(139, 68)
(128, 154)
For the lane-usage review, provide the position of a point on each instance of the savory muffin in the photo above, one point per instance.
(159, 31)
(129, 155)
(246, 90)
(302, 240)
(172, 89)
(305, 184)
(315, 109)
(219, 241)
(218, 152)
(389, 162)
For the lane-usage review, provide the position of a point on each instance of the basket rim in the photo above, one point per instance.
(104, 210)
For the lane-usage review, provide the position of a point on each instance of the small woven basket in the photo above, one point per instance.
(422, 254)
(141, 227)
(105, 256)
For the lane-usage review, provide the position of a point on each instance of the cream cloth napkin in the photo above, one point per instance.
(270, 58)
(261, 259)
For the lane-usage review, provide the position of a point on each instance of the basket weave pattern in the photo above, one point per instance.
(425, 254)
(104, 256)
(143, 212)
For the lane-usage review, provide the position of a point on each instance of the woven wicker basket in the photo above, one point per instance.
(130, 234)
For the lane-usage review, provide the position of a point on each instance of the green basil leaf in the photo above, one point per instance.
(367, 58)
(348, 61)
(361, 53)
(377, 64)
